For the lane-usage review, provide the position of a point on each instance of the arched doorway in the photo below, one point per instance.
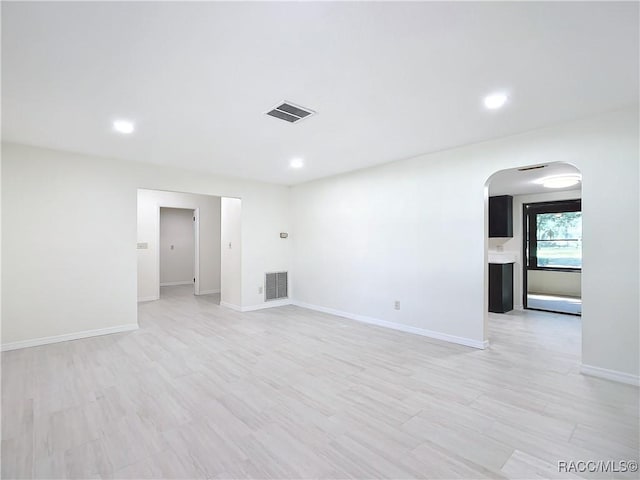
(534, 248)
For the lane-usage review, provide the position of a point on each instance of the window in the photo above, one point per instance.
(554, 235)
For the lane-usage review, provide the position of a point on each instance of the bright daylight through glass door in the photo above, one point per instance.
(553, 253)
(559, 240)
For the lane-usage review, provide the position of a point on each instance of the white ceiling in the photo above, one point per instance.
(388, 81)
(516, 182)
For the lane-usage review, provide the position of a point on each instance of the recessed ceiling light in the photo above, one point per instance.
(123, 126)
(297, 163)
(495, 101)
(560, 181)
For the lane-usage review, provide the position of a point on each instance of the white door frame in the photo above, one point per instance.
(196, 249)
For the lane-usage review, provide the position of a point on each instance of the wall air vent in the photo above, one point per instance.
(524, 169)
(289, 112)
(275, 286)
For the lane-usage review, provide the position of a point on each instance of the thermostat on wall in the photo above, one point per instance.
(284, 235)
(143, 246)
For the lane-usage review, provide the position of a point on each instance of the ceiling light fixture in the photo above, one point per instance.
(297, 163)
(124, 126)
(495, 101)
(560, 181)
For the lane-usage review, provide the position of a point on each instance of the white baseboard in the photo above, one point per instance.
(275, 303)
(68, 336)
(148, 299)
(171, 284)
(613, 375)
(232, 306)
(271, 304)
(208, 292)
(468, 342)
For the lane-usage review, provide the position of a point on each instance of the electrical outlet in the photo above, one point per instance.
(396, 304)
(260, 290)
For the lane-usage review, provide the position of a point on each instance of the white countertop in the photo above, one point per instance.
(503, 257)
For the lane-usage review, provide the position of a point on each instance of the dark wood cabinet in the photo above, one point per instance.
(501, 216)
(500, 287)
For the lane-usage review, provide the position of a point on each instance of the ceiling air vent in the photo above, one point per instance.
(289, 112)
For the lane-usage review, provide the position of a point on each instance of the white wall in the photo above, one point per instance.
(564, 282)
(231, 258)
(415, 231)
(177, 246)
(68, 231)
(77, 272)
(554, 283)
(149, 203)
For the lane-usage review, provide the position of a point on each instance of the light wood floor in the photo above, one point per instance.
(204, 392)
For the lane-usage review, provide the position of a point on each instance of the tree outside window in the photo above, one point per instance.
(559, 240)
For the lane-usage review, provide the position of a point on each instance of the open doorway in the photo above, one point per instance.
(177, 248)
(535, 239)
(534, 258)
(552, 246)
